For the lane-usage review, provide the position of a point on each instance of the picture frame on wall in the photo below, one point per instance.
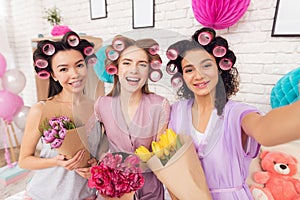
(286, 19)
(98, 9)
(142, 13)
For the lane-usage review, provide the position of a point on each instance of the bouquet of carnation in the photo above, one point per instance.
(117, 175)
(176, 154)
(62, 135)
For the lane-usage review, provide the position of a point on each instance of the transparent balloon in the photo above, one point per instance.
(20, 117)
(14, 81)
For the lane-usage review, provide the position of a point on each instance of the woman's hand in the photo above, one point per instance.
(85, 172)
(72, 163)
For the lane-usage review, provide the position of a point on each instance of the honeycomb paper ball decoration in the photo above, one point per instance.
(286, 90)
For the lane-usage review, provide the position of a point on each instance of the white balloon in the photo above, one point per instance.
(20, 117)
(14, 81)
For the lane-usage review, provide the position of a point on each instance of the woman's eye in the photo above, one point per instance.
(143, 65)
(126, 63)
(188, 70)
(207, 65)
(80, 65)
(63, 69)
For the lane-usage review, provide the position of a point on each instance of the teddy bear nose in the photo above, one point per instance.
(282, 166)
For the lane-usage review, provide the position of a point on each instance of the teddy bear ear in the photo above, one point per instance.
(296, 161)
(263, 154)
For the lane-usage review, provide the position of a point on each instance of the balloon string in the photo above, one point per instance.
(6, 154)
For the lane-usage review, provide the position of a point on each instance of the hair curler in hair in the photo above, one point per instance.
(172, 54)
(153, 50)
(118, 45)
(111, 69)
(88, 51)
(171, 68)
(48, 49)
(227, 62)
(177, 81)
(41, 63)
(112, 55)
(43, 74)
(220, 47)
(155, 75)
(155, 64)
(72, 39)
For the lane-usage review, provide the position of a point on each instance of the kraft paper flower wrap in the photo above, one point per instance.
(117, 176)
(176, 155)
(60, 133)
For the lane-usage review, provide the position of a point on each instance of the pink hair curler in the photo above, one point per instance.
(154, 49)
(92, 61)
(155, 64)
(225, 64)
(43, 74)
(205, 38)
(88, 51)
(172, 54)
(73, 40)
(118, 45)
(112, 55)
(155, 75)
(48, 49)
(177, 81)
(171, 69)
(111, 69)
(219, 51)
(41, 63)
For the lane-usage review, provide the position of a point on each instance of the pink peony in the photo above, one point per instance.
(115, 176)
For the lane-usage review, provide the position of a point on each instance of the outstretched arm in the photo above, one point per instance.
(278, 126)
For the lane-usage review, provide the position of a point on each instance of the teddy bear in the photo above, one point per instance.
(277, 177)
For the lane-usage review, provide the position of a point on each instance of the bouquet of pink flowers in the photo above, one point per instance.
(117, 175)
(62, 135)
(54, 130)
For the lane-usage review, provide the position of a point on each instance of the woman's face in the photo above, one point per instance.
(200, 72)
(133, 69)
(70, 70)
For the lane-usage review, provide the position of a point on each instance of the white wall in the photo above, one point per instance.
(261, 59)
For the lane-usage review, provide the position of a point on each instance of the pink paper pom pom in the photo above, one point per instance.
(59, 30)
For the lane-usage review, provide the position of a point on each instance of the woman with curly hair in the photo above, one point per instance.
(227, 134)
(65, 64)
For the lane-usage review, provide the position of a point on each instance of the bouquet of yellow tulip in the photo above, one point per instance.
(164, 149)
(176, 154)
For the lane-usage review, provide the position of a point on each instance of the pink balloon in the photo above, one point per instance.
(2, 65)
(10, 104)
(219, 14)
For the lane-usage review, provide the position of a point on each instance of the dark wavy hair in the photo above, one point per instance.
(228, 81)
(63, 45)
